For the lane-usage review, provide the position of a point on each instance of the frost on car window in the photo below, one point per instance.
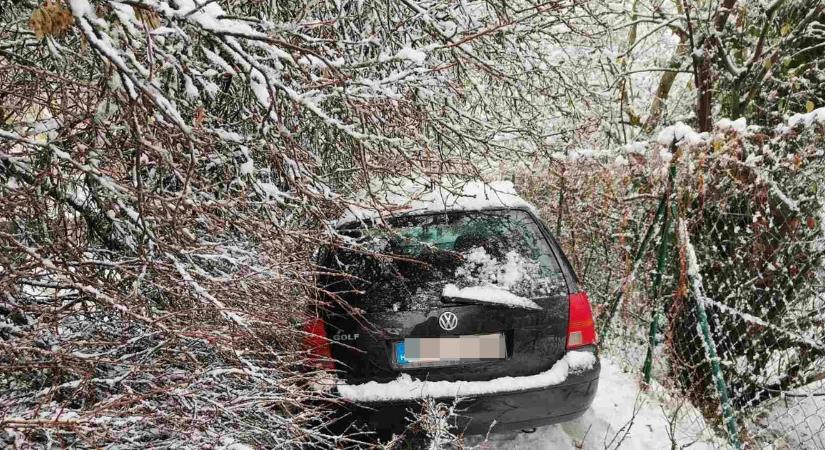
(406, 267)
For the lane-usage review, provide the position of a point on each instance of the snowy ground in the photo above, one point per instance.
(797, 421)
(621, 417)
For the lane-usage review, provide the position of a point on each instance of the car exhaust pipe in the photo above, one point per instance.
(528, 430)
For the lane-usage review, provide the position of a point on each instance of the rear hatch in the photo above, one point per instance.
(458, 281)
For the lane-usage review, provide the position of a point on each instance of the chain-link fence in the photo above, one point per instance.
(705, 262)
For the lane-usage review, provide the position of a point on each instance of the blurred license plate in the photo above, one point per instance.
(449, 350)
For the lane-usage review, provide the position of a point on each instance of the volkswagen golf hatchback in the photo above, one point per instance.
(476, 304)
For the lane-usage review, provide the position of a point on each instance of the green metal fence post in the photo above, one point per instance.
(637, 258)
(707, 339)
(661, 257)
(604, 329)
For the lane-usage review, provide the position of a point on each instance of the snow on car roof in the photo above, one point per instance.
(417, 196)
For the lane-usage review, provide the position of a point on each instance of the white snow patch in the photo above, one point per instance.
(314, 61)
(489, 294)
(260, 88)
(610, 416)
(739, 125)
(81, 8)
(411, 54)
(271, 191)
(239, 446)
(807, 119)
(191, 91)
(796, 421)
(636, 147)
(215, 59)
(482, 268)
(228, 136)
(679, 133)
(407, 388)
(248, 166)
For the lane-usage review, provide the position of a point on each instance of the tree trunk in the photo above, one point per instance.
(704, 86)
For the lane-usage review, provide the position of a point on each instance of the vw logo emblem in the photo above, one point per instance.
(448, 321)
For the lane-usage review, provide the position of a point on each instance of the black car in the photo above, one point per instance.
(479, 304)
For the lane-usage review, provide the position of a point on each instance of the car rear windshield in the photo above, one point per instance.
(406, 266)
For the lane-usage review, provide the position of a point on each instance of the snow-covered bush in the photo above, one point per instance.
(168, 168)
(752, 202)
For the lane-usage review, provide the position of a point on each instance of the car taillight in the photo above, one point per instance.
(580, 327)
(318, 345)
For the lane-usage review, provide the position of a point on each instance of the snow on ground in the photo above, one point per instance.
(796, 421)
(610, 422)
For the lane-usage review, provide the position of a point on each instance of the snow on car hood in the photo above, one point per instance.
(416, 197)
(407, 388)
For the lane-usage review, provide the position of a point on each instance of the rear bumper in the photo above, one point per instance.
(503, 410)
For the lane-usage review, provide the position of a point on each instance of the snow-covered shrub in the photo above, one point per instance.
(752, 202)
(598, 212)
(168, 168)
(432, 427)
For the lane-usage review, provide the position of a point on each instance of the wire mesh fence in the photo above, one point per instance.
(705, 262)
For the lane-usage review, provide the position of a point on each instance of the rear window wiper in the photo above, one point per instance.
(487, 295)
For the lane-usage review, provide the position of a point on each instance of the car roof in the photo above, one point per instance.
(413, 213)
